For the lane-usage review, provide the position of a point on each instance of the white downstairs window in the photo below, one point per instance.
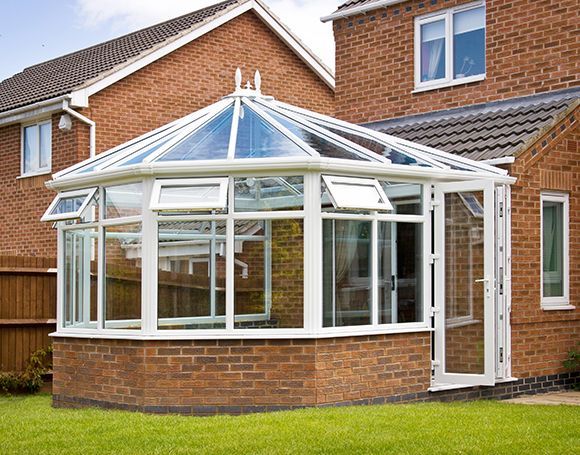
(555, 252)
(450, 47)
(36, 148)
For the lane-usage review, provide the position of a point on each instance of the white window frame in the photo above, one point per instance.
(221, 203)
(561, 302)
(340, 204)
(39, 170)
(89, 193)
(448, 80)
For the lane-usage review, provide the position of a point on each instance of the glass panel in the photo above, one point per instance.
(209, 142)
(68, 205)
(123, 277)
(124, 200)
(191, 275)
(269, 274)
(433, 51)
(31, 152)
(407, 198)
(464, 294)
(149, 150)
(255, 194)
(258, 139)
(346, 273)
(396, 156)
(326, 148)
(400, 272)
(553, 248)
(80, 278)
(469, 43)
(190, 194)
(45, 145)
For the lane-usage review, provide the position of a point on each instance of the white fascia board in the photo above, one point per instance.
(299, 48)
(268, 167)
(161, 52)
(360, 9)
(32, 111)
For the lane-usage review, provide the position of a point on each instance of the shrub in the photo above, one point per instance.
(31, 379)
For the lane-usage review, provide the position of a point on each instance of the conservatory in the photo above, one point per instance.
(263, 227)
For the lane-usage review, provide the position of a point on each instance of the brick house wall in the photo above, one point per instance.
(192, 77)
(532, 47)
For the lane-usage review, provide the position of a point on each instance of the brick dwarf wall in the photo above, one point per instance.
(541, 339)
(182, 82)
(236, 376)
(532, 47)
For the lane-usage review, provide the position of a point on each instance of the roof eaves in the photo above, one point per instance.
(365, 7)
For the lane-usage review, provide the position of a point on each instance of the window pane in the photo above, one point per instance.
(469, 43)
(68, 205)
(123, 277)
(31, 152)
(433, 51)
(124, 200)
(407, 198)
(80, 278)
(400, 272)
(325, 147)
(356, 194)
(254, 194)
(191, 275)
(269, 274)
(553, 248)
(346, 273)
(210, 142)
(45, 145)
(190, 194)
(259, 139)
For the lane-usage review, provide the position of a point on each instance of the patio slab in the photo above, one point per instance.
(567, 398)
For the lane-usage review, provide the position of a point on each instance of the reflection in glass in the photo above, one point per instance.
(469, 43)
(254, 194)
(553, 248)
(124, 200)
(191, 275)
(346, 273)
(464, 288)
(123, 265)
(80, 278)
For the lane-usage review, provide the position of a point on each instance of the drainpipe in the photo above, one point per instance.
(88, 121)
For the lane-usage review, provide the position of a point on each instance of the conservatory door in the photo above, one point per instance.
(464, 281)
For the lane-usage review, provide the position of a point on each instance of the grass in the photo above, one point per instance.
(29, 425)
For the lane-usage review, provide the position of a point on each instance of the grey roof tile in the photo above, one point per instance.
(64, 74)
(486, 131)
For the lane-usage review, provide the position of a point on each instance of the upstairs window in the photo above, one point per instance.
(450, 47)
(36, 148)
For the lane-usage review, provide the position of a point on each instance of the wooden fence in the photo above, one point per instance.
(27, 308)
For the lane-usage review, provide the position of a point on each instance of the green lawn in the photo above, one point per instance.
(30, 425)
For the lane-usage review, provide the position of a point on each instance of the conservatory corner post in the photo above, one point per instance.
(428, 251)
(148, 263)
(101, 279)
(312, 254)
(230, 259)
(374, 272)
(60, 266)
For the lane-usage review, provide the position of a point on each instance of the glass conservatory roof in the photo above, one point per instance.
(247, 125)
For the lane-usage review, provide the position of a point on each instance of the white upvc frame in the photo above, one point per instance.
(448, 80)
(441, 376)
(220, 204)
(340, 203)
(39, 170)
(88, 193)
(560, 302)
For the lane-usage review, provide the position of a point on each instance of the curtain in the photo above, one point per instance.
(435, 53)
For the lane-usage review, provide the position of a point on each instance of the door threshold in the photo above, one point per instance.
(443, 387)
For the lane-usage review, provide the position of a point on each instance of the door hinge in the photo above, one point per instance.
(500, 206)
(434, 203)
(501, 355)
(435, 363)
(434, 310)
(433, 258)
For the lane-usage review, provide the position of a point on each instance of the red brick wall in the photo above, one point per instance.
(184, 81)
(532, 47)
(230, 374)
(541, 339)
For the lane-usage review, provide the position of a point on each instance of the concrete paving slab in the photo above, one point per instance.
(555, 398)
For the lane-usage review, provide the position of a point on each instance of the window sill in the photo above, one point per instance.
(453, 83)
(34, 174)
(562, 307)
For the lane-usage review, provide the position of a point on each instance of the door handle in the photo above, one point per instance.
(485, 280)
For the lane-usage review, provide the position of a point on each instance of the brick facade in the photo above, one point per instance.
(531, 47)
(188, 79)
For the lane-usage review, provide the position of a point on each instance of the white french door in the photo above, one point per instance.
(464, 284)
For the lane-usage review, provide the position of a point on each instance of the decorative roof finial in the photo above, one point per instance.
(238, 79)
(258, 81)
(249, 85)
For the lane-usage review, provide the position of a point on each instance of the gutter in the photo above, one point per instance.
(502, 160)
(359, 9)
(88, 121)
